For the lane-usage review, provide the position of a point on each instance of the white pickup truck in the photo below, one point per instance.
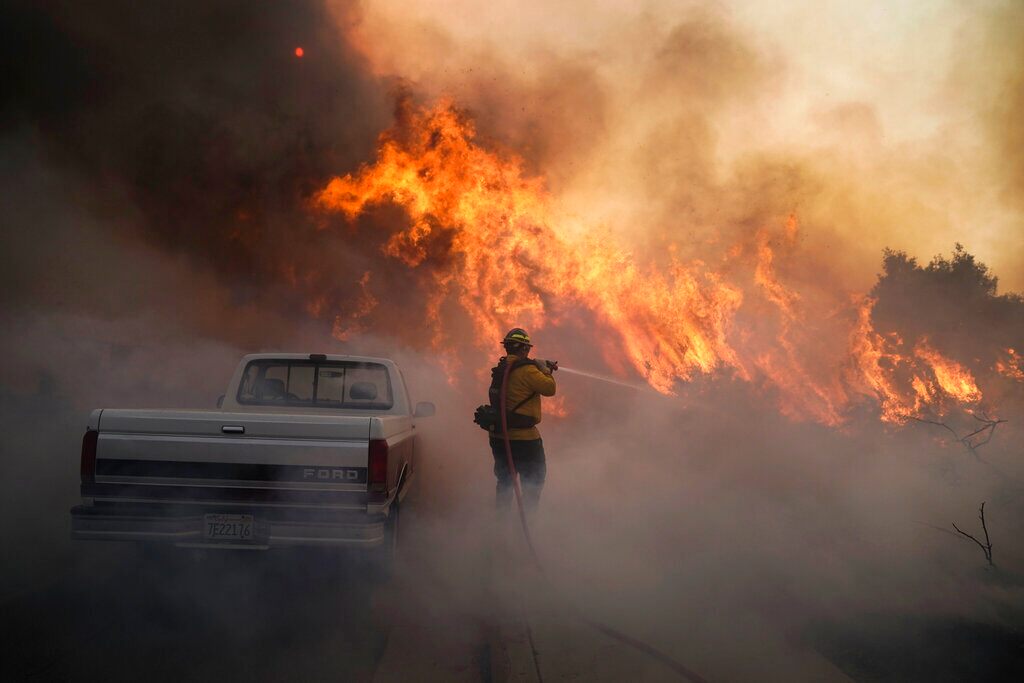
(304, 449)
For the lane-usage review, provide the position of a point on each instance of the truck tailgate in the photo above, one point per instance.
(233, 450)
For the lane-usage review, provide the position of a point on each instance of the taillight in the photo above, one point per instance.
(378, 466)
(89, 456)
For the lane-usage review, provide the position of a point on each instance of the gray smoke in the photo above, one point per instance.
(155, 162)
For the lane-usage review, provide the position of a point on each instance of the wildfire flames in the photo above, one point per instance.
(1011, 366)
(933, 379)
(487, 235)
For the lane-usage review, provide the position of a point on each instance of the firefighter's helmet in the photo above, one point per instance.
(517, 335)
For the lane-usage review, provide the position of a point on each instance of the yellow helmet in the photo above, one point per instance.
(517, 335)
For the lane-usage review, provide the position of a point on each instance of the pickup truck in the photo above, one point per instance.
(303, 450)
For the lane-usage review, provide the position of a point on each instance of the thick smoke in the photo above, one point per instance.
(193, 132)
(157, 166)
(691, 122)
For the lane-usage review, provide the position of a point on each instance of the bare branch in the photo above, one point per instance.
(986, 547)
(979, 430)
(988, 428)
(984, 527)
(964, 533)
(937, 424)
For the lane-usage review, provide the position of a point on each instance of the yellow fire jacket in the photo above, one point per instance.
(522, 382)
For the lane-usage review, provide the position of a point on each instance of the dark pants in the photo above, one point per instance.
(528, 457)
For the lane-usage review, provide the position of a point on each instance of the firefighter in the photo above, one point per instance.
(528, 380)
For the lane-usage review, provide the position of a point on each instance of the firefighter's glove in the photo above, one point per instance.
(546, 366)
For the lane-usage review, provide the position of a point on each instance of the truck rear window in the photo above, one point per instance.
(271, 382)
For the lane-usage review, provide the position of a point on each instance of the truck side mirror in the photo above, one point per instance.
(424, 409)
(220, 401)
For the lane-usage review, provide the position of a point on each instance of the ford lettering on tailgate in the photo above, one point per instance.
(353, 475)
(234, 471)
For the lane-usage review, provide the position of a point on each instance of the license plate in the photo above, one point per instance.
(228, 527)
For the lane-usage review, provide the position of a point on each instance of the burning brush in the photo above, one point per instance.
(485, 239)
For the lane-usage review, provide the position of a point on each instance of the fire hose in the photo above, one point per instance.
(649, 650)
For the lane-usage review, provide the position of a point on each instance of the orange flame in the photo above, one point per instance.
(876, 362)
(954, 379)
(487, 237)
(933, 379)
(510, 259)
(1012, 366)
(801, 394)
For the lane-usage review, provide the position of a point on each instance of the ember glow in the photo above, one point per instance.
(489, 236)
(1011, 365)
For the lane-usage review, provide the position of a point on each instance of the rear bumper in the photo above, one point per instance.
(185, 527)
